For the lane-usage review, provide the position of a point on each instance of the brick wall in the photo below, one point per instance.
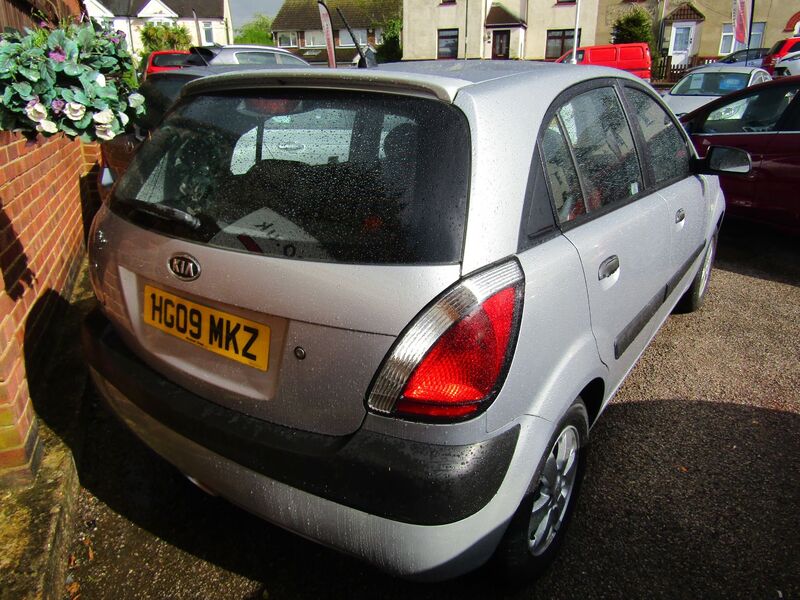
(42, 213)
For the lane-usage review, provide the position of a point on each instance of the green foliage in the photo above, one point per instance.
(75, 78)
(391, 50)
(164, 37)
(634, 26)
(257, 31)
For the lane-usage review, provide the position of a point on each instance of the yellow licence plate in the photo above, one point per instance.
(230, 336)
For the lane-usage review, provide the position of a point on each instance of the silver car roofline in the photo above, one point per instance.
(432, 86)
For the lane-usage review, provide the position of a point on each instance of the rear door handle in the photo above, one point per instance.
(680, 215)
(608, 267)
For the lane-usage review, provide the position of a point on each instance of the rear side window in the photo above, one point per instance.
(169, 60)
(665, 146)
(795, 47)
(598, 132)
(328, 176)
(256, 58)
(565, 188)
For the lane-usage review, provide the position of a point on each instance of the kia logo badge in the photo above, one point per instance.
(184, 267)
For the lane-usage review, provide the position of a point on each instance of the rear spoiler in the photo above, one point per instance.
(372, 80)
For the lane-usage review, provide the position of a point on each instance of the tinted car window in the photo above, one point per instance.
(169, 60)
(598, 131)
(288, 59)
(256, 58)
(564, 186)
(665, 146)
(759, 111)
(710, 84)
(343, 177)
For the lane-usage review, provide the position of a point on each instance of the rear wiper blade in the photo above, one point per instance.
(162, 211)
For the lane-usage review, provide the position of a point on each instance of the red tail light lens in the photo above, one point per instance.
(452, 360)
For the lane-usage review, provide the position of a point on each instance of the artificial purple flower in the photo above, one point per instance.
(114, 39)
(32, 102)
(58, 106)
(58, 54)
(121, 33)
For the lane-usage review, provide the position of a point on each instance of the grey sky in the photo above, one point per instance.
(243, 11)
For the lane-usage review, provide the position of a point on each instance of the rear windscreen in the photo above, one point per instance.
(325, 176)
(169, 60)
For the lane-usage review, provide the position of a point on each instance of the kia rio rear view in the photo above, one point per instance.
(383, 308)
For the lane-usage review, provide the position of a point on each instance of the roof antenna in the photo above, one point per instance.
(367, 59)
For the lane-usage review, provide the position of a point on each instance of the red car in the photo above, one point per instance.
(778, 51)
(634, 58)
(764, 120)
(165, 60)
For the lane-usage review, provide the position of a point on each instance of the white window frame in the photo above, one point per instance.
(317, 33)
(207, 28)
(292, 39)
(727, 37)
(344, 34)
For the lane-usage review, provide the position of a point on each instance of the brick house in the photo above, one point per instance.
(297, 27)
(45, 198)
(213, 24)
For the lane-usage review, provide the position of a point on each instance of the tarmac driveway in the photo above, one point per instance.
(692, 487)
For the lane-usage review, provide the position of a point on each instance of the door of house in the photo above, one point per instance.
(501, 40)
(681, 42)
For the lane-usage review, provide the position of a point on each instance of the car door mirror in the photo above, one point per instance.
(723, 160)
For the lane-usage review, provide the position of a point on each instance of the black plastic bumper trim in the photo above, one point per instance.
(402, 480)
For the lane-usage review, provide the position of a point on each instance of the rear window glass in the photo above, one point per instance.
(324, 176)
(777, 47)
(169, 60)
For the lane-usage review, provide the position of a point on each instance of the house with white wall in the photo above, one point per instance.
(208, 21)
(486, 29)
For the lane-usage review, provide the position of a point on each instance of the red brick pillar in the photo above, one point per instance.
(41, 244)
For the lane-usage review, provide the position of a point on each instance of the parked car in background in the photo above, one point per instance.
(243, 54)
(633, 58)
(708, 83)
(764, 121)
(778, 51)
(740, 58)
(788, 65)
(362, 349)
(164, 60)
(160, 91)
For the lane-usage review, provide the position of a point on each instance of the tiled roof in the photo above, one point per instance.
(685, 12)
(500, 16)
(210, 9)
(300, 15)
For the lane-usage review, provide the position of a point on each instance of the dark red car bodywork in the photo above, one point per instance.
(770, 194)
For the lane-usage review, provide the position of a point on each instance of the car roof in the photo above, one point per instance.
(714, 68)
(780, 81)
(441, 79)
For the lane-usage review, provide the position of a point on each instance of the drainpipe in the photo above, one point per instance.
(750, 33)
(466, 26)
(197, 29)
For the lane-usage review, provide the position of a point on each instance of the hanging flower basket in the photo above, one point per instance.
(75, 78)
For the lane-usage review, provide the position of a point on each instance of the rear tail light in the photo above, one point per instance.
(452, 360)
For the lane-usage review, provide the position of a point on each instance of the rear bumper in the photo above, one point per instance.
(410, 508)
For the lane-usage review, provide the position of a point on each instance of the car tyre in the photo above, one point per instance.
(693, 299)
(537, 528)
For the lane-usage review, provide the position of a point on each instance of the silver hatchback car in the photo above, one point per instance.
(383, 308)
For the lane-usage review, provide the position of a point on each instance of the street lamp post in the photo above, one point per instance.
(575, 32)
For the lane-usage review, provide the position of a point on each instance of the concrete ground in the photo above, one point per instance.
(692, 487)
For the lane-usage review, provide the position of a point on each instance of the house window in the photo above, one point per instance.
(287, 39)
(448, 43)
(559, 42)
(727, 44)
(315, 38)
(161, 21)
(378, 36)
(208, 33)
(346, 40)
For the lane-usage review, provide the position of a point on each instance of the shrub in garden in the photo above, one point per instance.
(75, 78)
